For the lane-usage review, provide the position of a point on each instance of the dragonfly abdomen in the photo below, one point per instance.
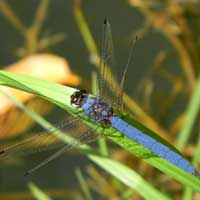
(153, 145)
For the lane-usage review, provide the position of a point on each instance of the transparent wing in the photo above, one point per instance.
(109, 86)
(82, 135)
(107, 58)
(111, 83)
(45, 140)
(123, 76)
(88, 136)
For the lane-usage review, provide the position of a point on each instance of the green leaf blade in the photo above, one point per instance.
(60, 95)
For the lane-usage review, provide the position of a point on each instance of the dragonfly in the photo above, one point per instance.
(99, 110)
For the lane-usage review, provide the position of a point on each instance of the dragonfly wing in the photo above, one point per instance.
(109, 87)
(43, 141)
(107, 54)
(84, 138)
(123, 76)
(30, 145)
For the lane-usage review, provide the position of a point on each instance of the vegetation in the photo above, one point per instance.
(128, 178)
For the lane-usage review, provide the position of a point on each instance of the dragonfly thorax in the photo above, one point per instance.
(96, 109)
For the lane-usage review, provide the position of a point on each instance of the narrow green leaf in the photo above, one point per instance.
(83, 184)
(37, 192)
(191, 114)
(60, 95)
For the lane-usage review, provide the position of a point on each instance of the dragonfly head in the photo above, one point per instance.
(77, 98)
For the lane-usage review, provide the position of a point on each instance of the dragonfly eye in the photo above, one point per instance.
(77, 98)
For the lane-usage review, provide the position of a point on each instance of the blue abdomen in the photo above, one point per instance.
(153, 145)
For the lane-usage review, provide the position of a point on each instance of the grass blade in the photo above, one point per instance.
(37, 192)
(83, 184)
(191, 114)
(60, 95)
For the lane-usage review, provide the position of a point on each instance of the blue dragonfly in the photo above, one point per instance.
(99, 110)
